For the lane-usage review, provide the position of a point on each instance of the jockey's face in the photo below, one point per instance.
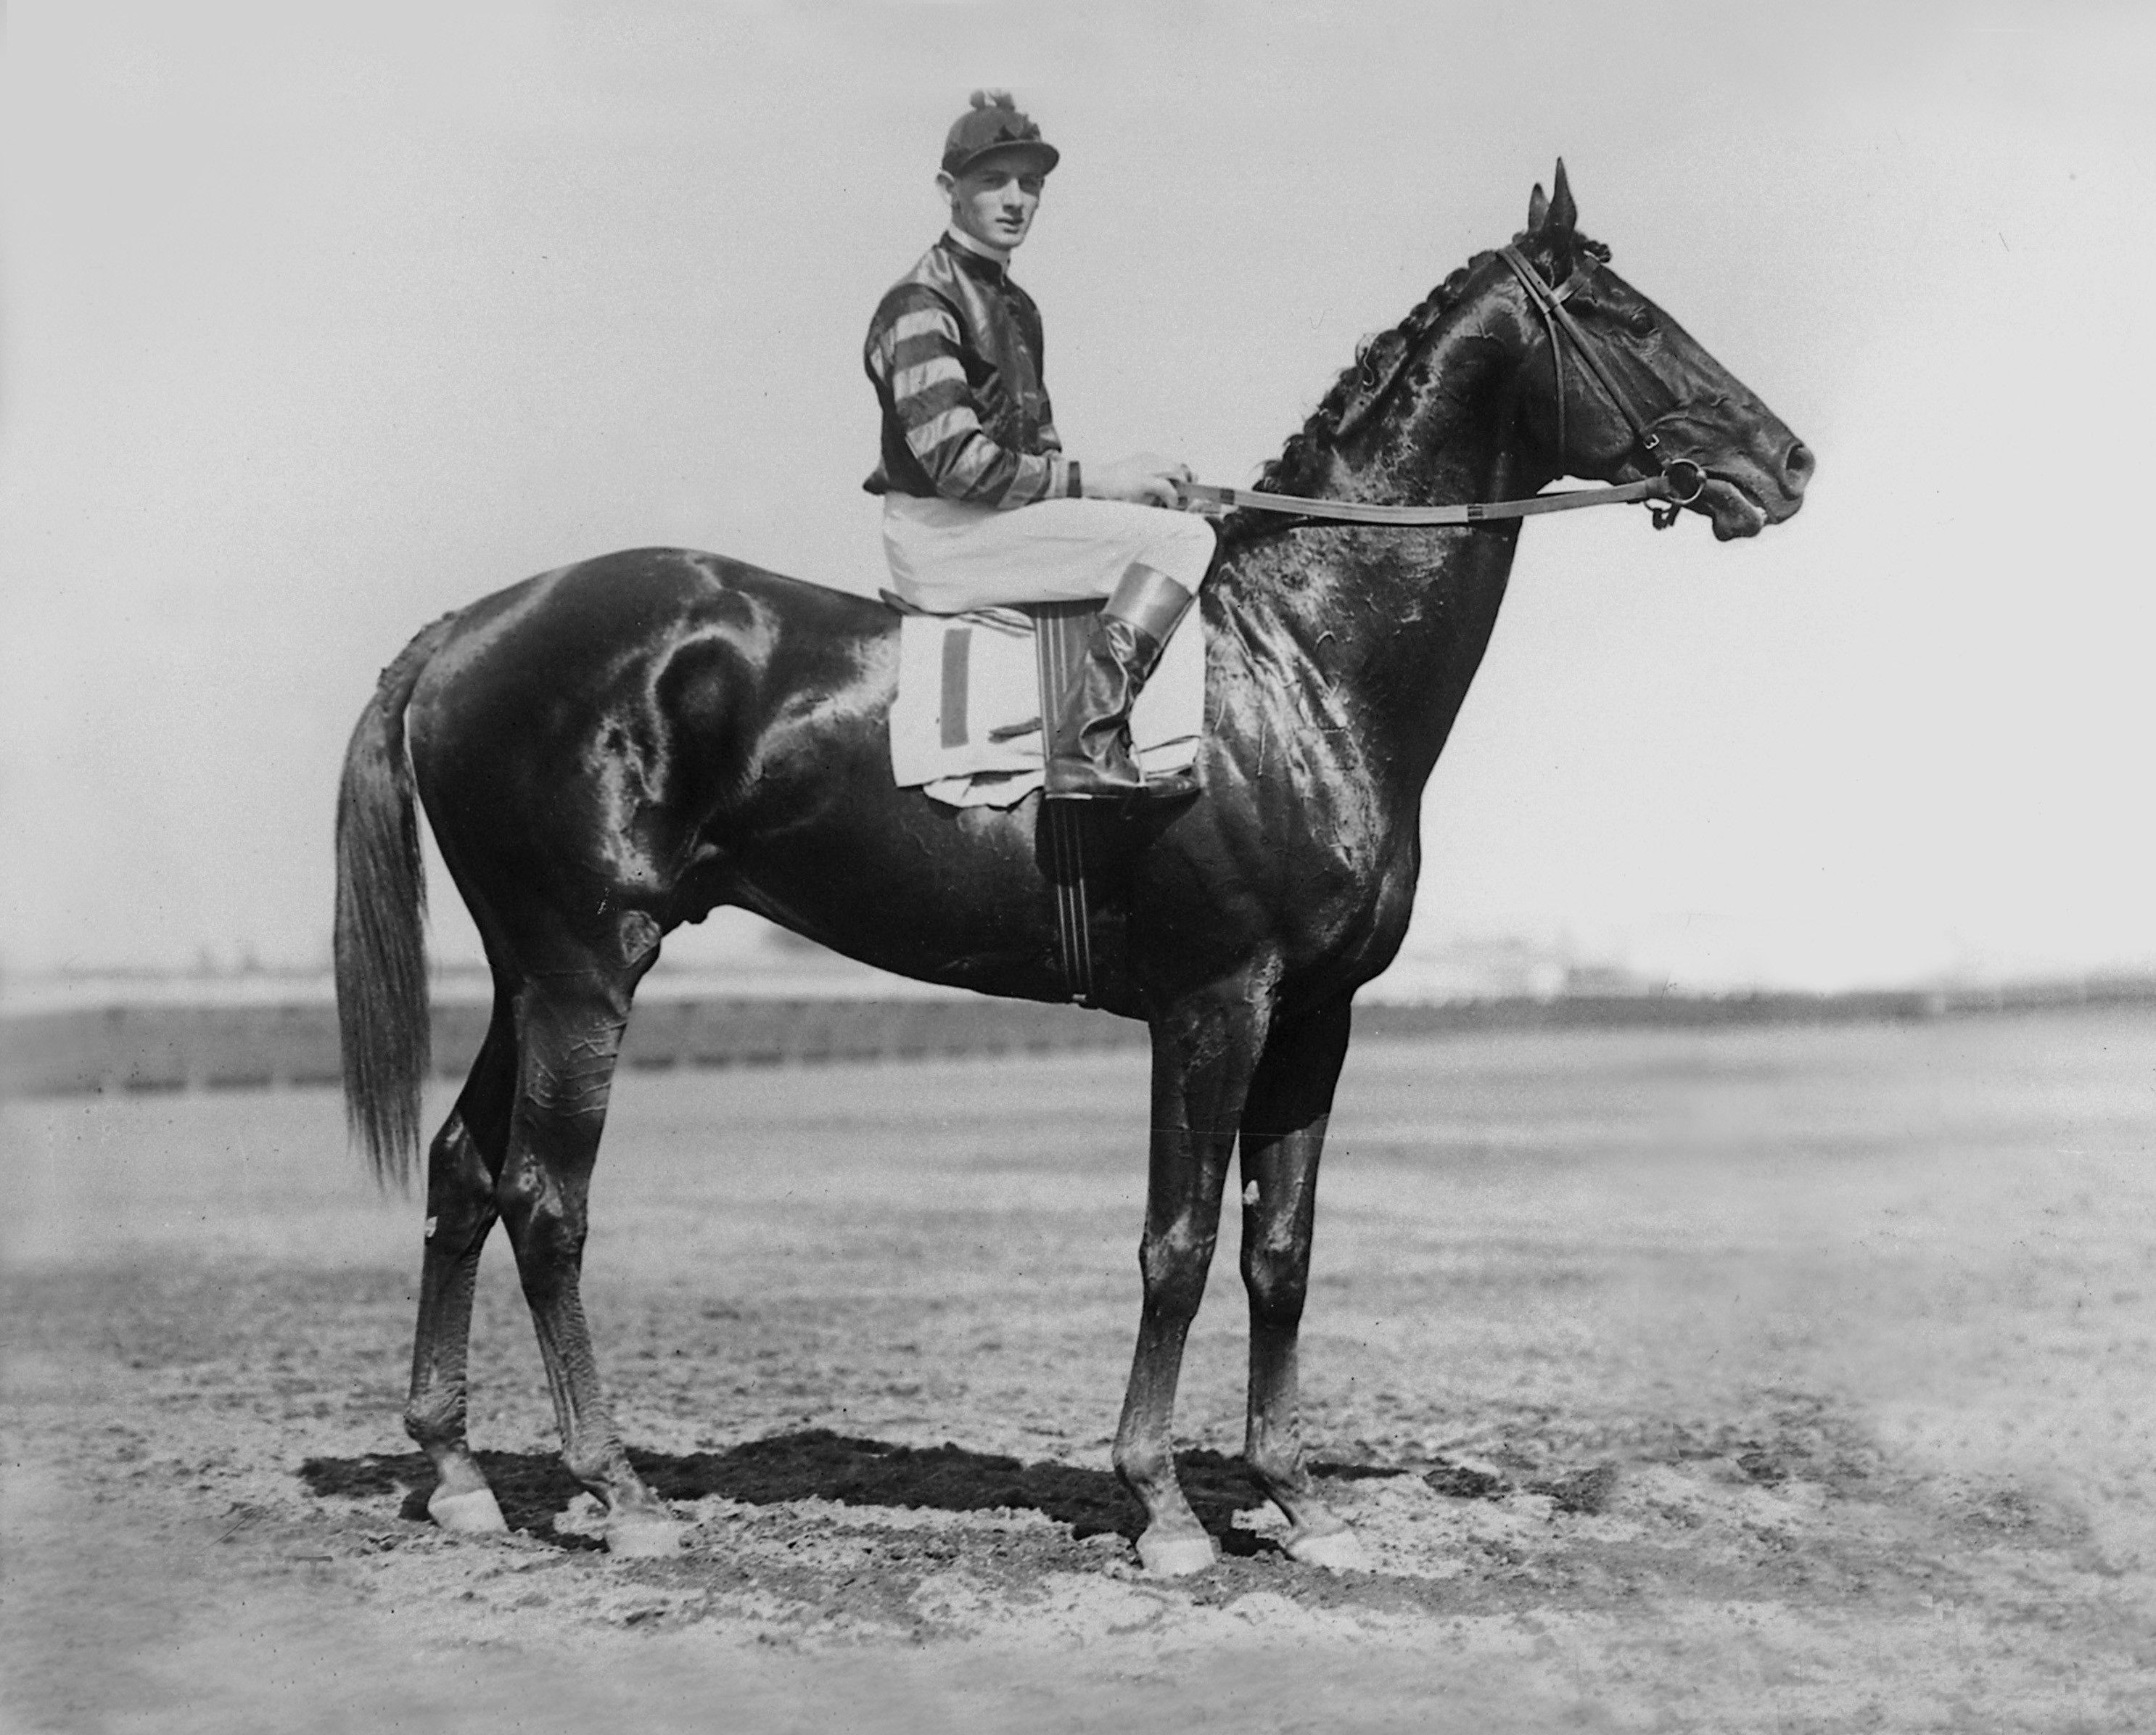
(994, 200)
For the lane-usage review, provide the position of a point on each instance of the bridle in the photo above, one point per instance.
(1679, 483)
(1560, 324)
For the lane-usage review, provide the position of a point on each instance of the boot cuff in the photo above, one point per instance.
(1149, 600)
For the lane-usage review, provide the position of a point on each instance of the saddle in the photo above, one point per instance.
(973, 691)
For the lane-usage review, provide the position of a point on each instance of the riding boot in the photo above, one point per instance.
(1090, 755)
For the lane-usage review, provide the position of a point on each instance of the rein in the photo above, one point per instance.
(1682, 481)
(1356, 512)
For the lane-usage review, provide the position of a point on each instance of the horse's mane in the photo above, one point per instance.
(1300, 468)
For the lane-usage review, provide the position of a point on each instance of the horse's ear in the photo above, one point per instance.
(1537, 209)
(1564, 214)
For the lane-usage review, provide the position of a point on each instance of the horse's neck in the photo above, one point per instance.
(1396, 621)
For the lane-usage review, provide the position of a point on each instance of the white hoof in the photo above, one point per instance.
(1175, 1557)
(475, 1513)
(1338, 1551)
(645, 1538)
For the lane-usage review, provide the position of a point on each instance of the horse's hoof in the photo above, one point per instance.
(644, 1537)
(1175, 1557)
(1338, 1551)
(472, 1513)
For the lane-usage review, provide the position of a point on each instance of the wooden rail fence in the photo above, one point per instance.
(193, 1046)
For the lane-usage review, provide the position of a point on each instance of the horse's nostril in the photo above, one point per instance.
(1798, 465)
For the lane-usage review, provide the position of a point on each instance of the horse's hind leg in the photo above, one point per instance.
(569, 1032)
(1283, 1133)
(461, 1166)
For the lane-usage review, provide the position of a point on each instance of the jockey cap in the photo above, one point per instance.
(995, 123)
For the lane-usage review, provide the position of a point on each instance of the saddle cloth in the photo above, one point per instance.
(966, 725)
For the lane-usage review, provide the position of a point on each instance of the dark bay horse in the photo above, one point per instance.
(610, 750)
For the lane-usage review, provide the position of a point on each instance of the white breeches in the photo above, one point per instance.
(947, 557)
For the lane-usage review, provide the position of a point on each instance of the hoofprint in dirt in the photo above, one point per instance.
(1786, 1379)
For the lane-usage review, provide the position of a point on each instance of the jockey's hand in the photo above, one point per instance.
(1146, 479)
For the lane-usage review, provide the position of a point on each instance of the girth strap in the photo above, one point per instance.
(1059, 638)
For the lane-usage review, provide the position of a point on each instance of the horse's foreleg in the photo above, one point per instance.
(461, 1166)
(1203, 1056)
(1283, 1134)
(567, 1044)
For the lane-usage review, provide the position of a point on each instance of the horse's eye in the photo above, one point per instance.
(1641, 321)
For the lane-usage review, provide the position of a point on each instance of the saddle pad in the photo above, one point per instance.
(966, 725)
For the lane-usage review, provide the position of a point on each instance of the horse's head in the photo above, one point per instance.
(1534, 361)
(1616, 390)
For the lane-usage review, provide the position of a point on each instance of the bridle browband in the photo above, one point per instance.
(1680, 483)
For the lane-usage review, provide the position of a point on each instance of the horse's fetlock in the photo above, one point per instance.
(600, 1468)
(439, 1419)
(1279, 1470)
(1141, 1467)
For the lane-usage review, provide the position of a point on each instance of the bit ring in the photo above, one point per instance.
(1687, 488)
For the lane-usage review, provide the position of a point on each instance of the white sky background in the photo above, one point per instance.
(322, 321)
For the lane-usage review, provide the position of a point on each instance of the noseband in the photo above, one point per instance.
(1684, 478)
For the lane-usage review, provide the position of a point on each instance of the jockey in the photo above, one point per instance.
(981, 506)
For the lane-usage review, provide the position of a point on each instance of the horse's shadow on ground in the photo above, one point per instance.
(533, 1488)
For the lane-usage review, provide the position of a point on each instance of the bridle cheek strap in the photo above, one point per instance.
(1561, 325)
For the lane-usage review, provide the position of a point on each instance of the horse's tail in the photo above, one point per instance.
(381, 943)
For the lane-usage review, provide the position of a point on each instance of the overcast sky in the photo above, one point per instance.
(321, 322)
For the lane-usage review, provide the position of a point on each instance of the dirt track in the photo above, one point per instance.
(1779, 1380)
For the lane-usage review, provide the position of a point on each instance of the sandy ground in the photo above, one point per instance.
(1777, 1380)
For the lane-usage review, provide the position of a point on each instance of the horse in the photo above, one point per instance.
(611, 749)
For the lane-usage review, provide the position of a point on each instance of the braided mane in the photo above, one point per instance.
(1300, 468)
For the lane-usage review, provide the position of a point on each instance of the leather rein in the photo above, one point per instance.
(1682, 481)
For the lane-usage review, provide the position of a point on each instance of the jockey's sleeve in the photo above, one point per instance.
(917, 362)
